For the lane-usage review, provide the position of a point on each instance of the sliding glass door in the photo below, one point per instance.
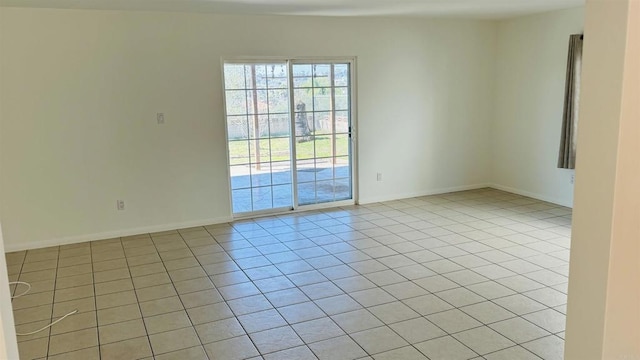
(288, 133)
(258, 133)
(321, 95)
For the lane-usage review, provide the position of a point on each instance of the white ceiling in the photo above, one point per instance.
(479, 9)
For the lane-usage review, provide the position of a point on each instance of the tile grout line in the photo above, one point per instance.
(53, 302)
(135, 293)
(178, 293)
(95, 300)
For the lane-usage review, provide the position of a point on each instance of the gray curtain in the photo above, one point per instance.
(567, 155)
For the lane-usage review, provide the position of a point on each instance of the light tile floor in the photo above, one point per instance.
(472, 275)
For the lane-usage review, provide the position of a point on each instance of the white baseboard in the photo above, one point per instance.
(375, 199)
(532, 195)
(186, 224)
(112, 234)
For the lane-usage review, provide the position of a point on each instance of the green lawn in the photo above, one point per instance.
(278, 149)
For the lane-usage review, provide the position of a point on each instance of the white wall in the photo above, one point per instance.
(79, 91)
(531, 62)
(8, 341)
(603, 313)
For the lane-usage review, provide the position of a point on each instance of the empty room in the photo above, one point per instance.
(307, 179)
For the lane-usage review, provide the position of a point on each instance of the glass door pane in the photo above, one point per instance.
(322, 118)
(258, 136)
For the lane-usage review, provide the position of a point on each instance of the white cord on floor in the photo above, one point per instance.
(24, 293)
(21, 283)
(48, 326)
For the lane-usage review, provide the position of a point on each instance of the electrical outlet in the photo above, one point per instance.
(379, 176)
(120, 204)
(160, 118)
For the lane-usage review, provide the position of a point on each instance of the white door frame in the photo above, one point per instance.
(352, 61)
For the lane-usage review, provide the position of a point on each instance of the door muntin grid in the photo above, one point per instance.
(322, 117)
(258, 135)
